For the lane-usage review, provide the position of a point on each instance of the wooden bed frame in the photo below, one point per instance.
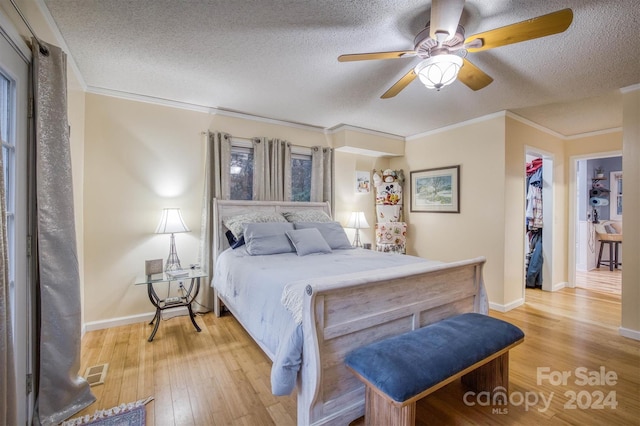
(340, 318)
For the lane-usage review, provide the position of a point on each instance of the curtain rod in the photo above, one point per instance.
(43, 48)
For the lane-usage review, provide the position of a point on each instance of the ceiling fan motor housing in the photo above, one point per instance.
(427, 47)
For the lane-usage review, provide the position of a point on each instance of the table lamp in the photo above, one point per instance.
(171, 222)
(357, 221)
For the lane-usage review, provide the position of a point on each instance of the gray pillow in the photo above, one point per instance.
(236, 223)
(267, 238)
(307, 215)
(308, 241)
(332, 232)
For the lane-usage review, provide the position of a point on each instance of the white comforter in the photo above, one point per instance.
(254, 288)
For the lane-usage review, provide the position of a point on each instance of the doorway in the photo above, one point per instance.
(546, 231)
(595, 191)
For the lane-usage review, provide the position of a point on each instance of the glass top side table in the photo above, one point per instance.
(188, 295)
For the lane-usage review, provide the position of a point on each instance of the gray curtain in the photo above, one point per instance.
(7, 364)
(217, 157)
(61, 392)
(322, 174)
(271, 170)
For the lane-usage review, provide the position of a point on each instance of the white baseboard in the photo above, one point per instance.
(133, 319)
(507, 307)
(631, 334)
(559, 286)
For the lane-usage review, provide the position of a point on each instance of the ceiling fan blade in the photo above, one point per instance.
(445, 16)
(542, 26)
(376, 55)
(473, 76)
(400, 84)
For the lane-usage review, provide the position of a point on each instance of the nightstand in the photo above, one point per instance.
(188, 294)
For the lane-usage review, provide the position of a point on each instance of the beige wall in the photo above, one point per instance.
(346, 198)
(491, 154)
(75, 110)
(520, 139)
(479, 150)
(631, 252)
(141, 157)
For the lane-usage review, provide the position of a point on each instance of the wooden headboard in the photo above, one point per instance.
(226, 208)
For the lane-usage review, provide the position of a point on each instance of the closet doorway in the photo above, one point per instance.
(538, 241)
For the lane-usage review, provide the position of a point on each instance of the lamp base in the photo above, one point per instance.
(173, 262)
(356, 239)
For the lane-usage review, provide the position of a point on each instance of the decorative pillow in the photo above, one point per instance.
(610, 229)
(308, 241)
(233, 242)
(332, 232)
(267, 238)
(236, 223)
(307, 215)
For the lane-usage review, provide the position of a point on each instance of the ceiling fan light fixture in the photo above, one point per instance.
(439, 71)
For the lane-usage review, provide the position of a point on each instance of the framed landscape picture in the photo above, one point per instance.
(436, 190)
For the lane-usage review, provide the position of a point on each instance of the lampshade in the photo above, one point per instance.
(357, 221)
(438, 71)
(171, 222)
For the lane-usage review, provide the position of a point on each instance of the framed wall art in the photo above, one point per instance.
(363, 182)
(436, 190)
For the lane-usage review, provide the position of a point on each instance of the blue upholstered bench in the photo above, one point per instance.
(402, 369)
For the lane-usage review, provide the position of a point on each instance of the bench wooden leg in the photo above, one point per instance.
(489, 376)
(380, 411)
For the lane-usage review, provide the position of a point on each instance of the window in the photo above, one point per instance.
(241, 172)
(300, 177)
(8, 156)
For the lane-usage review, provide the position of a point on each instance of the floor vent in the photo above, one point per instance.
(95, 375)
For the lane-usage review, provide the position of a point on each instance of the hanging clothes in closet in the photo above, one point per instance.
(534, 223)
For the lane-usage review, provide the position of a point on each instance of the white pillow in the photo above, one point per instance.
(308, 241)
(307, 215)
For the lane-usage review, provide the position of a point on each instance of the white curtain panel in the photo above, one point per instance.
(216, 171)
(61, 391)
(322, 174)
(7, 362)
(271, 170)
(280, 155)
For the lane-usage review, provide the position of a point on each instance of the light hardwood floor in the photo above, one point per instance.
(601, 279)
(220, 377)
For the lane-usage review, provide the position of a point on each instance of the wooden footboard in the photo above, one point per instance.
(338, 319)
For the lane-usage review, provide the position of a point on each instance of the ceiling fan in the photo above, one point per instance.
(443, 48)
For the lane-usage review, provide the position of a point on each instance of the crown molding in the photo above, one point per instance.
(457, 125)
(630, 89)
(342, 127)
(148, 99)
(237, 114)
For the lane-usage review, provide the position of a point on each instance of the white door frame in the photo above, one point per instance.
(573, 207)
(15, 61)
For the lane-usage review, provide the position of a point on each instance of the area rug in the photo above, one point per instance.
(131, 414)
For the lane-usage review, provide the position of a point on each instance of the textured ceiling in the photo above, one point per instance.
(278, 59)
